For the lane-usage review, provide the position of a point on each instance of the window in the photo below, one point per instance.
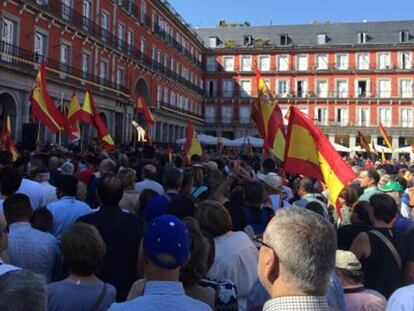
(8, 36)
(245, 88)
(211, 63)
(227, 114)
(406, 117)
(210, 114)
(104, 70)
(228, 62)
(130, 40)
(120, 77)
(363, 61)
(211, 88)
(406, 88)
(212, 42)
(322, 62)
(384, 61)
(159, 95)
(384, 116)
(86, 65)
(384, 88)
(302, 62)
(121, 31)
(322, 38)
(322, 116)
(66, 9)
(245, 112)
(228, 88)
(283, 63)
(87, 14)
(105, 25)
(404, 36)
(142, 47)
(342, 61)
(342, 88)
(363, 117)
(282, 88)
(64, 57)
(322, 88)
(264, 63)
(143, 11)
(405, 60)
(362, 88)
(342, 116)
(284, 39)
(362, 37)
(301, 88)
(247, 40)
(39, 46)
(166, 95)
(246, 63)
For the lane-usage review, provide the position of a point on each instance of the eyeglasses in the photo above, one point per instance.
(259, 241)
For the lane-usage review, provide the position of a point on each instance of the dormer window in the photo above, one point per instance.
(322, 38)
(284, 39)
(212, 42)
(247, 40)
(362, 37)
(404, 36)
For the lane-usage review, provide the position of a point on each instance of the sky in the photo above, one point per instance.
(207, 13)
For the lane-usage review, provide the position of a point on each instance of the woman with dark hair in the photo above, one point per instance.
(83, 250)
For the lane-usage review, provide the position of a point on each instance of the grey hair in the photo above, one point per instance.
(305, 243)
(22, 290)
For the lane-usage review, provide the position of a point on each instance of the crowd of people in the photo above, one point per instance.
(137, 230)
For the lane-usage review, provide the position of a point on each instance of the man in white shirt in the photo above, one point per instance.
(149, 172)
(42, 176)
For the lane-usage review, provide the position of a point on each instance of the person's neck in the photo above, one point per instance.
(347, 284)
(282, 289)
(381, 224)
(90, 279)
(172, 191)
(371, 187)
(158, 274)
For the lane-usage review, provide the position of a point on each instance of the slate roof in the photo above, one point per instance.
(305, 35)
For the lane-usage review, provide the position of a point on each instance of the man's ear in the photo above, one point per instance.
(271, 266)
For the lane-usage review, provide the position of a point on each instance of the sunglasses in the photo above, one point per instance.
(259, 241)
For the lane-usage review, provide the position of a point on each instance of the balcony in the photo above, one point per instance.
(94, 30)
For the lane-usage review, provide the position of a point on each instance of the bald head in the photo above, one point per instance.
(149, 171)
(54, 163)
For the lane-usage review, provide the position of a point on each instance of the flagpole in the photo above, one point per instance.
(59, 137)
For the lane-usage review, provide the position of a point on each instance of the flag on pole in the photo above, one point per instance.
(310, 153)
(6, 142)
(268, 117)
(373, 149)
(90, 115)
(364, 144)
(383, 158)
(169, 153)
(72, 119)
(43, 107)
(386, 137)
(192, 145)
(141, 107)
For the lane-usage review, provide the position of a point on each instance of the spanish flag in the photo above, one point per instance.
(386, 137)
(310, 153)
(363, 143)
(6, 142)
(141, 107)
(90, 115)
(43, 107)
(192, 144)
(72, 119)
(268, 117)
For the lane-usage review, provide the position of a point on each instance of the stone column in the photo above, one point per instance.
(395, 145)
(352, 144)
(331, 138)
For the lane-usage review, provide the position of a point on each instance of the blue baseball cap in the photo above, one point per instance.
(167, 235)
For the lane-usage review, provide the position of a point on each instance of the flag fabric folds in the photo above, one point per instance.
(268, 117)
(72, 119)
(310, 153)
(6, 142)
(386, 137)
(90, 115)
(43, 107)
(141, 107)
(363, 143)
(192, 145)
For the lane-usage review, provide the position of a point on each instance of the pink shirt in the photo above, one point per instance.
(359, 299)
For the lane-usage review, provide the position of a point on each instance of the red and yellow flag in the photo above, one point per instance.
(169, 153)
(72, 119)
(192, 145)
(268, 118)
(43, 107)
(310, 153)
(363, 143)
(6, 142)
(90, 115)
(386, 137)
(141, 107)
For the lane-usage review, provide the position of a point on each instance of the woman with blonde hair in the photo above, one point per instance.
(130, 198)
